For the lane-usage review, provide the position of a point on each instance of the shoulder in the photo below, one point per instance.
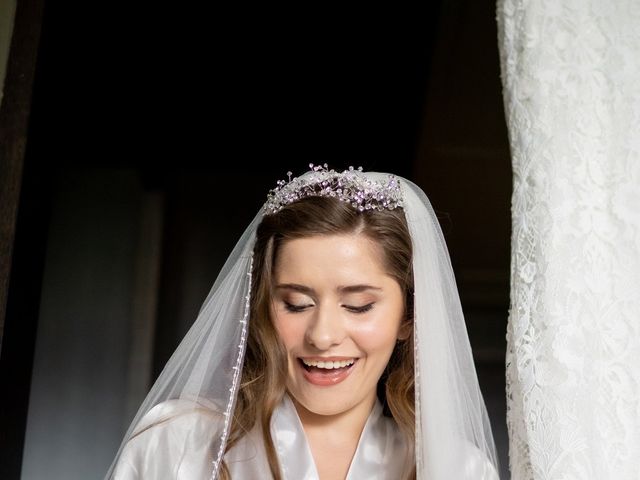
(174, 436)
(178, 413)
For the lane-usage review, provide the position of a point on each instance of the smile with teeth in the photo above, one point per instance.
(326, 373)
(329, 365)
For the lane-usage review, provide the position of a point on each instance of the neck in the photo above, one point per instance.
(344, 425)
(333, 439)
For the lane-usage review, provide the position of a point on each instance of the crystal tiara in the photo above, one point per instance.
(350, 186)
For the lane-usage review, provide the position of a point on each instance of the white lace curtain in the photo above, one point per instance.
(571, 78)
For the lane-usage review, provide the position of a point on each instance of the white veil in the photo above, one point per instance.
(453, 434)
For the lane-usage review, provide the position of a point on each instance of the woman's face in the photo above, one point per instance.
(338, 313)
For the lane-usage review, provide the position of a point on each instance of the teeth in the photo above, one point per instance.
(329, 364)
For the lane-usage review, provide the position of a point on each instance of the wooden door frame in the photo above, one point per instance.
(20, 268)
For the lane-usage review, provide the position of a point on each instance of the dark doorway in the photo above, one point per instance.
(166, 127)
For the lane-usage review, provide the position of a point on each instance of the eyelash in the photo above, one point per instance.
(295, 308)
(300, 308)
(362, 309)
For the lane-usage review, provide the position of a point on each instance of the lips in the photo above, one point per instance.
(326, 372)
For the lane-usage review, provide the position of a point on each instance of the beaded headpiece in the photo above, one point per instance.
(350, 186)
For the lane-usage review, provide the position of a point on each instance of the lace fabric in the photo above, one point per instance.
(571, 78)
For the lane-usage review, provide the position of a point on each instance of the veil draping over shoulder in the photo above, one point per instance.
(453, 433)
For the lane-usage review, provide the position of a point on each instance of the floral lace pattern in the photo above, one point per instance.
(571, 78)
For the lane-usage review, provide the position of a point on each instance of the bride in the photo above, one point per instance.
(331, 346)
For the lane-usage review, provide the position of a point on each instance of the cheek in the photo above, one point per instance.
(376, 335)
(291, 333)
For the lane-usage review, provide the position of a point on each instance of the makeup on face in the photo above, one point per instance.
(338, 315)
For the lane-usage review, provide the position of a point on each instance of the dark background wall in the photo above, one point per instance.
(154, 136)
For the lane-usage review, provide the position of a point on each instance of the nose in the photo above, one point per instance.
(326, 328)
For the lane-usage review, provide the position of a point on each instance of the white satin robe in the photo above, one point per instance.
(179, 448)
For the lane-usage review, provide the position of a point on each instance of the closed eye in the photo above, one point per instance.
(361, 309)
(296, 308)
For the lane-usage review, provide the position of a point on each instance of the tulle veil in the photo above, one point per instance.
(451, 418)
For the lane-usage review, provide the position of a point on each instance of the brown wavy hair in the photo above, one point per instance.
(264, 372)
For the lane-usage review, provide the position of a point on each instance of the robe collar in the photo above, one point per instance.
(376, 457)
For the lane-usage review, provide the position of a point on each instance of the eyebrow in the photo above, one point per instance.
(342, 289)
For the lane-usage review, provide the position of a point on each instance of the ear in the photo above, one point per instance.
(405, 330)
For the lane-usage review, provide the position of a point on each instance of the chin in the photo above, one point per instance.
(324, 406)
